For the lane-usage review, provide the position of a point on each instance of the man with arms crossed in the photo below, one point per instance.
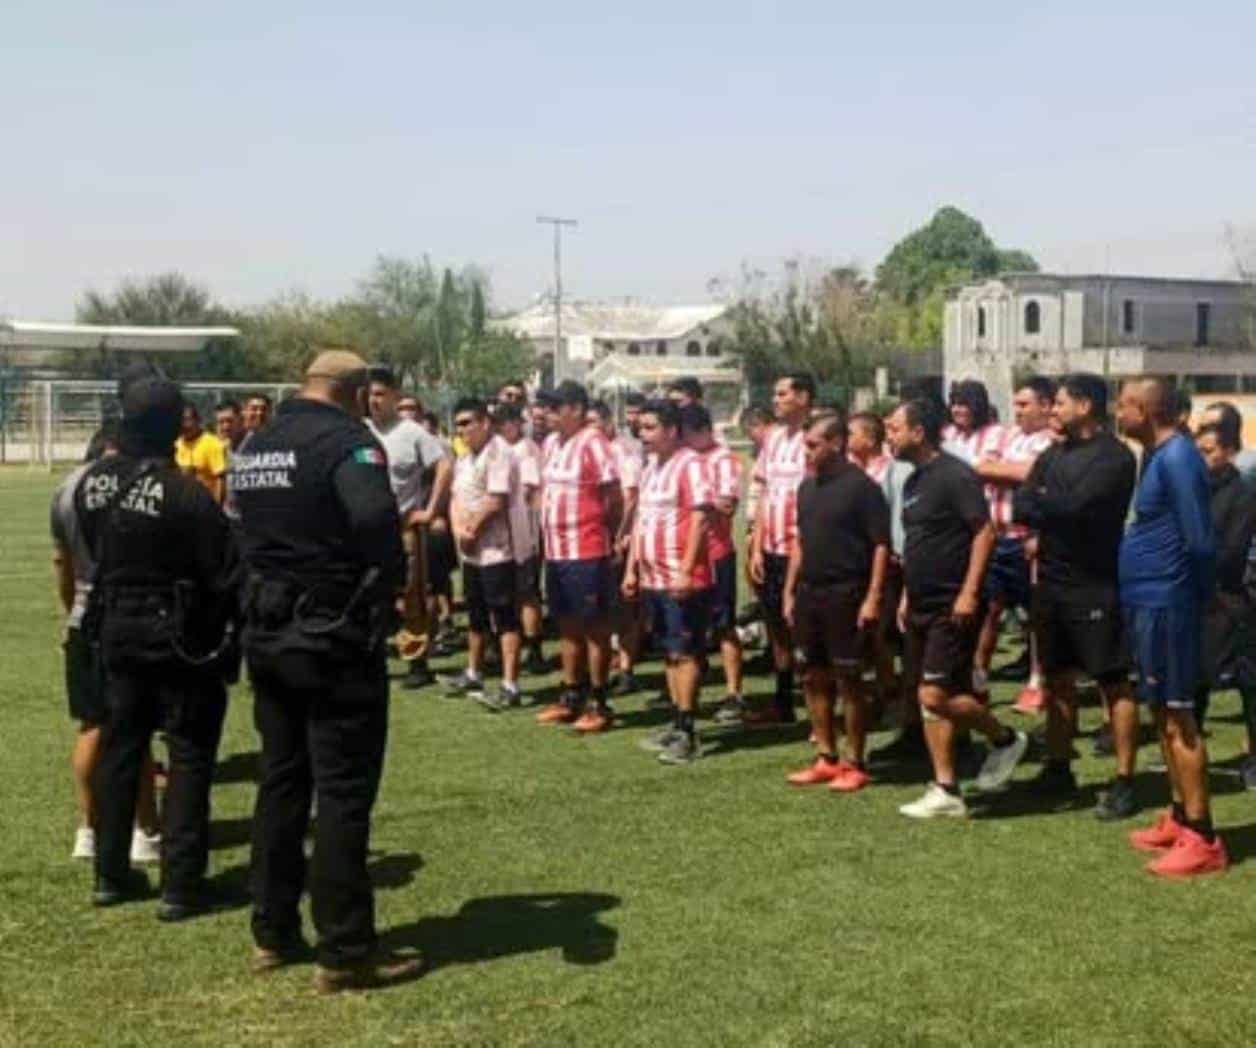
(1167, 568)
(1076, 498)
(949, 539)
(525, 532)
(669, 563)
(833, 597)
(580, 510)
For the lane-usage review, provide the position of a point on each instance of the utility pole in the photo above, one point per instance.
(560, 354)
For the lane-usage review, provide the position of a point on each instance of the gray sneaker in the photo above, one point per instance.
(731, 710)
(682, 748)
(999, 764)
(463, 686)
(500, 699)
(659, 739)
(1247, 772)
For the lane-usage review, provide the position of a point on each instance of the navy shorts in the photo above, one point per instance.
(581, 589)
(1007, 580)
(1166, 644)
(724, 595)
(680, 626)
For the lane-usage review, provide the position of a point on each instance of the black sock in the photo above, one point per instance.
(1058, 764)
(785, 694)
(829, 758)
(1179, 814)
(950, 788)
(856, 764)
(1203, 827)
(1009, 737)
(598, 694)
(1125, 780)
(684, 721)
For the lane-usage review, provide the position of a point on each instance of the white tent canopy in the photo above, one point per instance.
(34, 336)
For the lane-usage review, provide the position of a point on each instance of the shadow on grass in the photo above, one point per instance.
(239, 767)
(498, 926)
(717, 742)
(394, 870)
(1240, 842)
(230, 833)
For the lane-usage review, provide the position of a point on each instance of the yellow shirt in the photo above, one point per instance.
(205, 458)
(459, 445)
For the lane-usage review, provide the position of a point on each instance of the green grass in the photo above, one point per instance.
(572, 891)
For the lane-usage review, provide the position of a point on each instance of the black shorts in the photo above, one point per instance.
(1086, 637)
(826, 626)
(891, 598)
(939, 652)
(528, 580)
(442, 560)
(724, 595)
(772, 592)
(489, 592)
(84, 681)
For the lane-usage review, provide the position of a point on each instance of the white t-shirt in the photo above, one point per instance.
(525, 514)
(493, 471)
(412, 451)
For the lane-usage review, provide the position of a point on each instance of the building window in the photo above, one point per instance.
(634, 349)
(981, 321)
(1203, 319)
(1033, 318)
(608, 347)
(660, 348)
(693, 349)
(1127, 316)
(714, 349)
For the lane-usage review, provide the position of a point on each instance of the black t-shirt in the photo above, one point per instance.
(842, 517)
(944, 506)
(1076, 498)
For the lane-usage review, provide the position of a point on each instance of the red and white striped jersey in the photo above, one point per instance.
(573, 517)
(781, 467)
(724, 475)
(876, 467)
(629, 459)
(1018, 447)
(984, 443)
(671, 492)
(547, 448)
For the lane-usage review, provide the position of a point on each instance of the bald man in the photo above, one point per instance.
(1167, 568)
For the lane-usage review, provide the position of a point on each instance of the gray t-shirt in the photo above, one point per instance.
(412, 453)
(67, 533)
(892, 485)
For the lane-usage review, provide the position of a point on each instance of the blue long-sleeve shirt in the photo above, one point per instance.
(1169, 554)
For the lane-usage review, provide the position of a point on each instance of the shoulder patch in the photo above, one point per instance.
(369, 457)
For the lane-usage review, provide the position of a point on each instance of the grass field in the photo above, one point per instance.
(573, 892)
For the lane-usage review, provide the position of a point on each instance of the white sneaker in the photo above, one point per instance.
(145, 850)
(1001, 762)
(84, 843)
(936, 803)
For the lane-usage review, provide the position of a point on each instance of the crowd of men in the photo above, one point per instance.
(885, 554)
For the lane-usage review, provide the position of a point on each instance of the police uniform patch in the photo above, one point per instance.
(369, 457)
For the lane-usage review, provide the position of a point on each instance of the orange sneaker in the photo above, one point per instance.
(1030, 701)
(556, 713)
(1190, 856)
(850, 779)
(820, 771)
(593, 720)
(1158, 837)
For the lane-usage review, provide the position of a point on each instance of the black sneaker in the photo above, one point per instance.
(1118, 802)
(624, 684)
(110, 892)
(463, 686)
(535, 663)
(659, 703)
(908, 747)
(1104, 745)
(418, 676)
(174, 909)
(731, 710)
(1055, 780)
(1247, 772)
(681, 748)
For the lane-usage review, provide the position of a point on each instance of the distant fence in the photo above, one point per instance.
(43, 422)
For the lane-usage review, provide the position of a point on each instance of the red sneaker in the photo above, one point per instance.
(556, 713)
(1030, 701)
(1163, 834)
(850, 779)
(1190, 856)
(592, 721)
(821, 771)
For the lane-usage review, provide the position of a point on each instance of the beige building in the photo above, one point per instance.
(1202, 332)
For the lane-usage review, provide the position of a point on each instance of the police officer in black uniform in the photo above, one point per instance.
(324, 562)
(161, 615)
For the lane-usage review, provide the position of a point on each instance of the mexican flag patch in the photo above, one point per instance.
(369, 457)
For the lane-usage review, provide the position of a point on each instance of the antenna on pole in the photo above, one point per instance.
(560, 352)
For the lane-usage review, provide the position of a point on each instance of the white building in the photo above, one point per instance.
(1199, 331)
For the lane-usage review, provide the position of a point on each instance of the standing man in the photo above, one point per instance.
(228, 424)
(1167, 571)
(833, 597)
(669, 564)
(1076, 499)
(580, 512)
(257, 412)
(1008, 582)
(486, 482)
(421, 474)
(525, 532)
(723, 469)
(322, 545)
(780, 469)
(160, 609)
(949, 539)
(684, 391)
(200, 454)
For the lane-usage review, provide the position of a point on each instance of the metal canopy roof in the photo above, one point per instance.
(34, 335)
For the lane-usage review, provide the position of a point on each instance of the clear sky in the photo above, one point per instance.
(277, 145)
